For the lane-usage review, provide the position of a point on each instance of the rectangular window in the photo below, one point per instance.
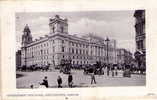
(140, 44)
(76, 51)
(69, 50)
(72, 50)
(73, 62)
(62, 49)
(72, 44)
(87, 52)
(53, 49)
(80, 51)
(83, 51)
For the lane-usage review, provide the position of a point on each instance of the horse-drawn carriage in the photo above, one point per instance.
(65, 66)
(127, 72)
(35, 67)
(97, 69)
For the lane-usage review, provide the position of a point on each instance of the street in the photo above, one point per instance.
(80, 80)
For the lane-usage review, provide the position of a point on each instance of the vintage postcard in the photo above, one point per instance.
(80, 49)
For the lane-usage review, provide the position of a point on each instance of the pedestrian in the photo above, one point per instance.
(31, 86)
(93, 78)
(112, 69)
(59, 80)
(116, 72)
(108, 70)
(45, 82)
(70, 78)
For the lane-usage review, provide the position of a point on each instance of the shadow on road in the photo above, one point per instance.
(19, 75)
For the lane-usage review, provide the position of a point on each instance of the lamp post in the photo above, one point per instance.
(108, 68)
(107, 40)
(25, 66)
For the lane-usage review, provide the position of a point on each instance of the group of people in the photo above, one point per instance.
(70, 81)
(59, 81)
(114, 71)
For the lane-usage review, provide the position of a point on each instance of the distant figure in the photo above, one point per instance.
(31, 86)
(70, 78)
(116, 72)
(45, 82)
(93, 78)
(108, 70)
(59, 80)
(112, 70)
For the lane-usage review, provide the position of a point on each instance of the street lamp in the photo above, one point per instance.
(108, 68)
(107, 41)
(25, 58)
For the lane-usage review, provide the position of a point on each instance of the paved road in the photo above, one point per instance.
(79, 79)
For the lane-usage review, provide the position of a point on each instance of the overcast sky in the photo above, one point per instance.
(117, 25)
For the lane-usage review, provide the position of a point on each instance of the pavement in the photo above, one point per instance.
(26, 79)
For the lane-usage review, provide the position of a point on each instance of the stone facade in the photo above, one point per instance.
(140, 30)
(59, 44)
(124, 57)
(140, 53)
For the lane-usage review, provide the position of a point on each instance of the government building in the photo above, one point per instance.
(59, 44)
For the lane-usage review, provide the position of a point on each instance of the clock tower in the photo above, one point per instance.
(58, 25)
(26, 37)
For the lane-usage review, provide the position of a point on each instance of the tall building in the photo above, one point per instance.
(140, 53)
(59, 44)
(124, 57)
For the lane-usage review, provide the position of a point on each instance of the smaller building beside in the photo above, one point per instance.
(140, 53)
(18, 58)
(124, 57)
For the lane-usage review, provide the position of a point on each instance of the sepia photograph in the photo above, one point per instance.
(80, 49)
